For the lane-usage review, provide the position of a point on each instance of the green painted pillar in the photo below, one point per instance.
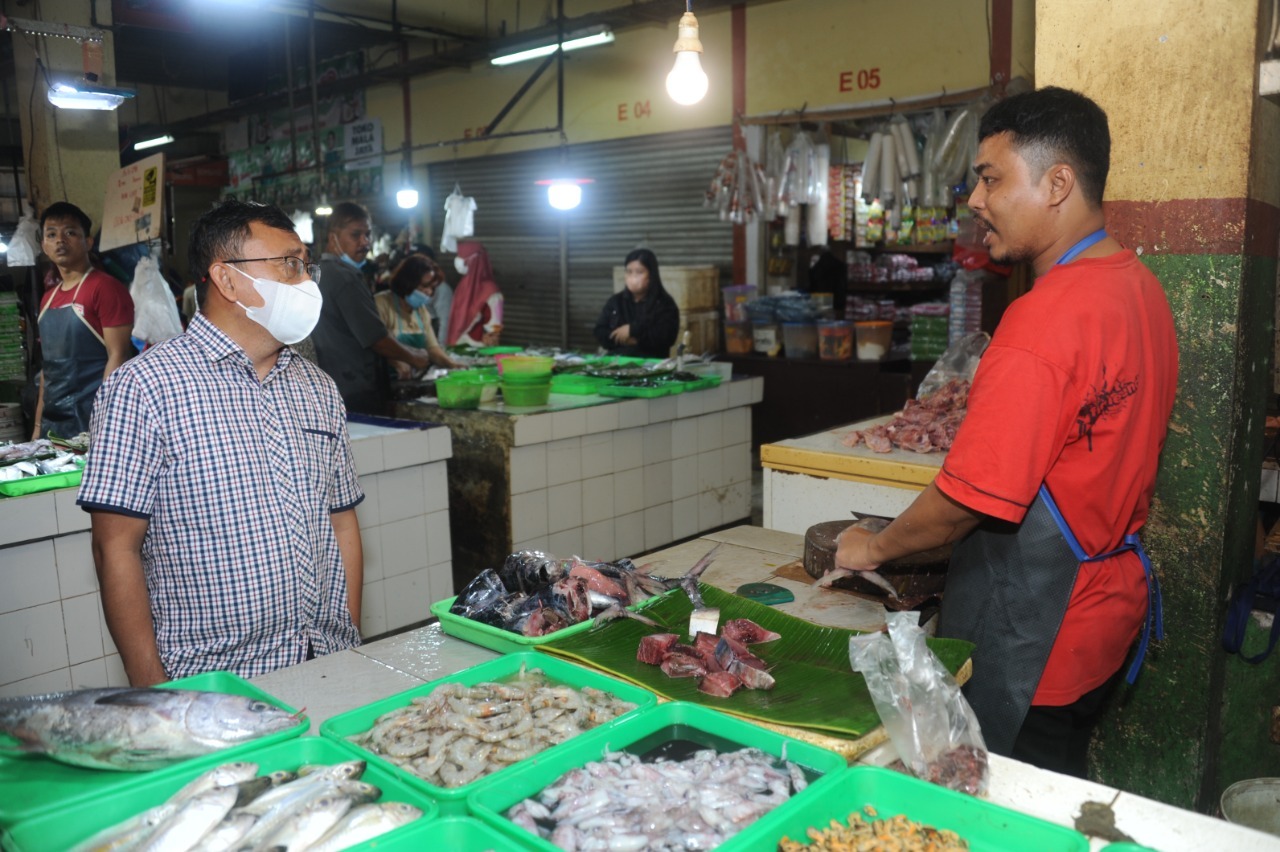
(1178, 80)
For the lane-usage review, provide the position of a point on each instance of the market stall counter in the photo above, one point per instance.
(817, 478)
(49, 601)
(597, 476)
(331, 686)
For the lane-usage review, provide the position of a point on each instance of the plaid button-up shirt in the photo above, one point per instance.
(237, 478)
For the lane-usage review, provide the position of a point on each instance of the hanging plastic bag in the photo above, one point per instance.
(926, 716)
(155, 313)
(959, 361)
(25, 244)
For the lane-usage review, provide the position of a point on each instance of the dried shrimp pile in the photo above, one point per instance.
(460, 733)
(897, 834)
(621, 803)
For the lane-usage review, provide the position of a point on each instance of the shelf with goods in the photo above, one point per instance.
(696, 291)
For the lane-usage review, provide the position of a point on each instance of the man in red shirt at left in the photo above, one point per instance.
(85, 323)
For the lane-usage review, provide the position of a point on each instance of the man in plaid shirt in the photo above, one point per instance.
(220, 476)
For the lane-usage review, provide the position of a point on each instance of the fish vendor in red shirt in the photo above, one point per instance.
(1050, 478)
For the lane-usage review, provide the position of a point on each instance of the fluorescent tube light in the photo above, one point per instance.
(574, 41)
(155, 142)
(83, 95)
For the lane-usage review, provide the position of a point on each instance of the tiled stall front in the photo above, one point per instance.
(52, 632)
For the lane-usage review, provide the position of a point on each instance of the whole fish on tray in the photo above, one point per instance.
(136, 729)
(534, 594)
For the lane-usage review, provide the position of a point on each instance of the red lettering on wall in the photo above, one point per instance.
(846, 81)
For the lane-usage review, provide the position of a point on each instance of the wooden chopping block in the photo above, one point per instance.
(917, 578)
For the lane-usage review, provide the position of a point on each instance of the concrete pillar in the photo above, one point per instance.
(1188, 192)
(69, 153)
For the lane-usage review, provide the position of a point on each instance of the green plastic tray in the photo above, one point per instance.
(639, 734)
(575, 384)
(454, 800)
(630, 392)
(45, 482)
(449, 834)
(31, 784)
(504, 641)
(985, 826)
(64, 827)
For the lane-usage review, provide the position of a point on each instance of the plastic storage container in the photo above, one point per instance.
(526, 394)
(453, 800)
(874, 338)
(641, 733)
(835, 341)
(735, 302)
(800, 339)
(737, 338)
(525, 365)
(460, 390)
(765, 338)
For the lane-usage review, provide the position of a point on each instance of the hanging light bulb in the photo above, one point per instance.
(687, 82)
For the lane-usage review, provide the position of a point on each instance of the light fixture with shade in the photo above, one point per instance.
(83, 94)
(323, 207)
(564, 193)
(407, 198)
(589, 37)
(687, 82)
(154, 142)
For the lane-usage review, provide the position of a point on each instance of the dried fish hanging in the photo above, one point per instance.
(737, 189)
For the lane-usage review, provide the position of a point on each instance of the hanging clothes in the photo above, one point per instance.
(459, 219)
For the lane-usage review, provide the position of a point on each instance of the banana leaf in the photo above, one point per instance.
(816, 688)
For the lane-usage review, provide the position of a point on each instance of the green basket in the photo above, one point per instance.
(460, 390)
(526, 395)
(575, 384)
(63, 828)
(500, 350)
(646, 731)
(44, 482)
(985, 826)
(504, 641)
(449, 834)
(32, 784)
(454, 800)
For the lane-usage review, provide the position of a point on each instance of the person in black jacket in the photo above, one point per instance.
(641, 320)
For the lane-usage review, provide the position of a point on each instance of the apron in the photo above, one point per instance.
(1007, 591)
(75, 356)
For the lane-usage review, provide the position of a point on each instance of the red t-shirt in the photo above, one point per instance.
(105, 300)
(1075, 391)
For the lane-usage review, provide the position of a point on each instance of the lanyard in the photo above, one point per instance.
(1074, 251)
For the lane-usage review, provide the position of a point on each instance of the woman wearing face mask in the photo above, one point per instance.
(642, 320)
(404, 309)
(475, 318)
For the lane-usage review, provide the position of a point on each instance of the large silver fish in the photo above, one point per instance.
(136, 729)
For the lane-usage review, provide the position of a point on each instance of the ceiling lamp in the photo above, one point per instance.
(589, 37)
(83, 94)
(687, 82)
(323, 208)
(407, 198)
(154, 142)
(564, 193)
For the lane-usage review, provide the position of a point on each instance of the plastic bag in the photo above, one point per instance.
(155, 312)
(926, 716)
(25, 244)
(960, 361)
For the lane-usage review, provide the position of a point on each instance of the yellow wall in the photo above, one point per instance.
(797, 51)
(1175, 88)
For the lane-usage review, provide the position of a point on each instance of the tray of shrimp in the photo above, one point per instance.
(464, 732)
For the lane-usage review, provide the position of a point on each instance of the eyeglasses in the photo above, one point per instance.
(292, 266)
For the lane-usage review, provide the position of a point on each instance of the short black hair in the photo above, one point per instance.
(1056, 125)
(650, 262)
(220, 233)
(66, 210)
(346, 212)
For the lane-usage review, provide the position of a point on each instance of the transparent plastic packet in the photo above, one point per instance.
(926, 716)
(959, 361)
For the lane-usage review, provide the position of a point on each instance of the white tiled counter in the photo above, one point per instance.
(593, 476)
(52, 632)
(816, 478)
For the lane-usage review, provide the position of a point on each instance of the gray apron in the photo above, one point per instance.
(74, 358)
(1007, 591)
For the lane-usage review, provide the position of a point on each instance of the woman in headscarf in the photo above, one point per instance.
(642, 319)
(403, 308)
(475, 318)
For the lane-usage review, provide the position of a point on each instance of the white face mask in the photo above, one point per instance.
(460, 265)
(289, 311)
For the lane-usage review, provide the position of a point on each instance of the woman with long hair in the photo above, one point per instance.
(404, 309)
(642, 319)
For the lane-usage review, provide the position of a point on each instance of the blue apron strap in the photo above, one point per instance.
(1096, 237)
(1155, 605)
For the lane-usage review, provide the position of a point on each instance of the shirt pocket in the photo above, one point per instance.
(318, 460)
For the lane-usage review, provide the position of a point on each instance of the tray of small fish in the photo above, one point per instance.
(68, 747)
(535, 598)
(466, 731)
(46, 473)
(869, 803)
(676, 777)
(303, 794)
